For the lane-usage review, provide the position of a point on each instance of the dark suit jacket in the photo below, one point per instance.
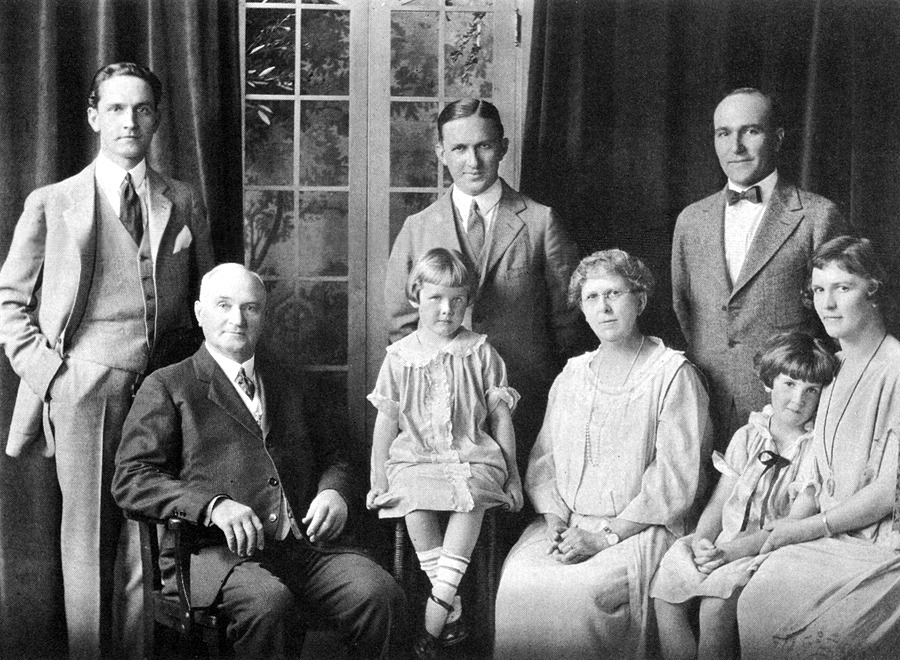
(45, 280)
(725, 325)
(521, 300)
(189, 437)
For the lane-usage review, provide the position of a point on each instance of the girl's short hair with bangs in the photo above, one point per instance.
(440, 266)
(798, 355)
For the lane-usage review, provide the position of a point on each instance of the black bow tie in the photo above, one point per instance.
(753, 194)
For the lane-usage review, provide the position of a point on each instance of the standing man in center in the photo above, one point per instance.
(739, 258)
(516, 246)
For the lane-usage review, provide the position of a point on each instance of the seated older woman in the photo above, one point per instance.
(833, 589)
(614, 472)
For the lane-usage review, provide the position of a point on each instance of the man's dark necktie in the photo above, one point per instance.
(476, 229)
(752, 194)
(130, 210)
(245, 383)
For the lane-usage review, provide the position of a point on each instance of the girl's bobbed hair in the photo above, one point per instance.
(440, 266)
(798, 355)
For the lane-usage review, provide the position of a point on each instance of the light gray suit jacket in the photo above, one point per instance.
(45, 280)
(725, 325)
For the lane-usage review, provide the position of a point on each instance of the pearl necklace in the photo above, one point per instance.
(592, 452)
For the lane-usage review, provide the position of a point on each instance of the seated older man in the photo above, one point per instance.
(222, 439)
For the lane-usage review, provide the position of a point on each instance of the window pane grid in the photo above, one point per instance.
(297, 187)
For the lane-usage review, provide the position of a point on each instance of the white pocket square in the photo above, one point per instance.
(183, 240)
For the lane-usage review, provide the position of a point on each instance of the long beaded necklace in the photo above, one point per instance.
(829, 452)
(588, 442)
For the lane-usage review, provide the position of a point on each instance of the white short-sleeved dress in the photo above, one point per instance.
(444, 458)
(769, 487)
(651, 436)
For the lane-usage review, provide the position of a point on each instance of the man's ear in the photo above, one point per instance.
(198, 312)
(779, 137)
(93, 119)
(439, 152)
(504, 147)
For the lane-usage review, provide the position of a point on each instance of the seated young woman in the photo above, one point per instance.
(831, 588)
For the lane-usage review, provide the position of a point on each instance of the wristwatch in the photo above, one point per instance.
(610, 536)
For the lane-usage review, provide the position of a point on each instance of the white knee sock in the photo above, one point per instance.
(451, 569)
(428, 561)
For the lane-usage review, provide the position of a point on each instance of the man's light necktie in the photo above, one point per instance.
(245, 383)
(476, 229)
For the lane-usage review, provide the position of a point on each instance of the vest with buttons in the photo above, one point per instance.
(118, 327)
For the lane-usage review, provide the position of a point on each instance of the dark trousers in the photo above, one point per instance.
(347, 589)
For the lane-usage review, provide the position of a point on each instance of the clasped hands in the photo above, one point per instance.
(571, 545)
(708, 557)
(325, 520)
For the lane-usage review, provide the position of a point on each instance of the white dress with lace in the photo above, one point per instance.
(444, 457)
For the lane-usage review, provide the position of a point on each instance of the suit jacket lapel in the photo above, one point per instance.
(222, 392)
(779, 221)
(712, 243)
(161, 209)
(507, 224)
(442, 229)
(80, 218)
(271, 392)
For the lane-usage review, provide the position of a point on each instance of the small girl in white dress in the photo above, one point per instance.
(443, 438)
(756, 488)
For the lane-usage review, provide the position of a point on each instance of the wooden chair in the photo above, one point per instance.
(194, 629)
(483, 570)
(175, 627)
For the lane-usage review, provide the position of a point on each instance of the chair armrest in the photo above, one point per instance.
(185, 536)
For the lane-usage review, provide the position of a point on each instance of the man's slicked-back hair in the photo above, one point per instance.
(104, 73)
(469, 108)
(775, 118)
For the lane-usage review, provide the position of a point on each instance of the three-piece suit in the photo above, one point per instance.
(85, 312)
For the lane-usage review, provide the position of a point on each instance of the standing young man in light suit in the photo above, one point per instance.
(517, 247)
(739, 258)
(95, 293)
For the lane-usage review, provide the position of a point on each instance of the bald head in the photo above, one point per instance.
(231, 310)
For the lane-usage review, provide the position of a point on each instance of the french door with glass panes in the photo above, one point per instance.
(340, 107)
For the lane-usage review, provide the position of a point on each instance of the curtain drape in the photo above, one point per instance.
(49, 51)
(618, 134)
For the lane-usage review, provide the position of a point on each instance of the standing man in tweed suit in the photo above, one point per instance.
(739, 258)
(95, 293)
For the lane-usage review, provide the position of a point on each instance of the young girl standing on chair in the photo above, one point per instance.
(443, 437)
